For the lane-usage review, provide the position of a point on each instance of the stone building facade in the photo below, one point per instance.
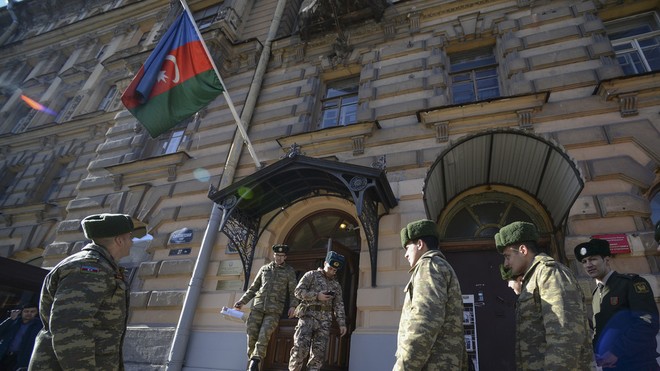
(360, 117)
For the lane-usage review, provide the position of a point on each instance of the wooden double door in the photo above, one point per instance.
(337, 354)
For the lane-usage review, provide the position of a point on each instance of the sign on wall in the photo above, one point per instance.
(618, 242)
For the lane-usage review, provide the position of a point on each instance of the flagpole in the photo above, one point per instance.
(217, 221)
(239, 123)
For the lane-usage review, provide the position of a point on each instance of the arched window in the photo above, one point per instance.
(314, 231)
(482, 215)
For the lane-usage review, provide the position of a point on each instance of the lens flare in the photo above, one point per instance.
(38, 106)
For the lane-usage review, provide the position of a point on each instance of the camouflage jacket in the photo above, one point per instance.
(270, 288)
(431, 326)
(308, 289)
(84, 306)
(551, 323)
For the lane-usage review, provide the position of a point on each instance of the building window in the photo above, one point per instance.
(636, 42)
(165, 143)
(206, 16)
(473, 76)
(339, 106)
(108, 98)
(65, 111)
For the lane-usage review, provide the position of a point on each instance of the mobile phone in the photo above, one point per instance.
(331, 293)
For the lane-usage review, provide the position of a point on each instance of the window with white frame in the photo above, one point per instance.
(339, 105)
(473, 76)
(636, 42)
(165, 143)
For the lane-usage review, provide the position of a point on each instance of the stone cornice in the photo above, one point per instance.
(332, 140)
(142, 171)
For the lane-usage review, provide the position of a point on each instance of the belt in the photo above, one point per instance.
(319, 308)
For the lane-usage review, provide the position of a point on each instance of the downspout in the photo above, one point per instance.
(14, 23)
(184, 327)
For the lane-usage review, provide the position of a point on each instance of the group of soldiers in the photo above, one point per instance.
(552, 329)
(313, 300)
(84, 306)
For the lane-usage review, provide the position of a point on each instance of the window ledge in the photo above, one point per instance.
(483, 115)
(332, 140)
(144, 170)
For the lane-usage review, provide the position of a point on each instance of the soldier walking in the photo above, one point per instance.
(270, 288)
(321, 295)
(551, 323)
(431, 326)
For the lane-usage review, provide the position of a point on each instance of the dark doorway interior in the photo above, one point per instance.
(479, 275)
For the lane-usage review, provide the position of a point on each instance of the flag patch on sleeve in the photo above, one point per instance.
(89, 269)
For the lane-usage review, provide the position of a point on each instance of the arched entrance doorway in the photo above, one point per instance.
(479, 184)
(309, 241)
(467, 242)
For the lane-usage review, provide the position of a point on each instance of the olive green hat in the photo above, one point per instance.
(281, 248)
(515, 232)
(595, 246)
(110, 225)
(415, 230)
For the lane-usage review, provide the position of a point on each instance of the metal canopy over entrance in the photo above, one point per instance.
(293, 179)
(508, 157)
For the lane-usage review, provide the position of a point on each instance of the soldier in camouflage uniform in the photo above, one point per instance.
(270, 288)
(321, 295)
(84, 301)
(551, 322)
(431, 326)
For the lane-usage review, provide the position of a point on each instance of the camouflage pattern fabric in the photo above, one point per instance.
(431, 326)
(551, 322)
(315, 319)
(84, 307)
(269, 290)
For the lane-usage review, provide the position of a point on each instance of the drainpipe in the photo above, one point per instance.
(218, 217)
(14, 23)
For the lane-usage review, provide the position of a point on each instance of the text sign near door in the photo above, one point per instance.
(618, 242)
(470, 330)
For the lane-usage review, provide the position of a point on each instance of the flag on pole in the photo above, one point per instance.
(177, 80)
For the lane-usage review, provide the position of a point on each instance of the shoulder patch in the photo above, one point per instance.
(89, 269)
(641, 287)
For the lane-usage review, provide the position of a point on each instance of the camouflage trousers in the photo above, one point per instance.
(311, 337)
(260, 327)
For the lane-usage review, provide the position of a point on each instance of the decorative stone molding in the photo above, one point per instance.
(332, 140)
(466, 118)
(525, 119)
(628, 104)
(414, 21)
(143, 171)
(358, 145)
(441, 131)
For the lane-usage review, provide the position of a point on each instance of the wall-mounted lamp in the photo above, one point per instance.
(348, 227)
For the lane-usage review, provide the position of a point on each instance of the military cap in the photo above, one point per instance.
(506, 273)
(415, 230)
(515, 232)
(335, 260)
(281, 248)
(595, 246)
(30, 304)
(110, 225)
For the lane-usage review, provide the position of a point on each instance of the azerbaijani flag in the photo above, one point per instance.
(177, 80)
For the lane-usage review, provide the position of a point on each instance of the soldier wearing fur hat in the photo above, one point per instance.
(551, 322)
(625, 314)
(274, 282)
(320, 295)
(431, 326)
(84, 301)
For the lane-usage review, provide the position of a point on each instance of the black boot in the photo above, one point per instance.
(254, 364)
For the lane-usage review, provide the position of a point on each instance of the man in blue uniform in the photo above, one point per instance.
(625, 314)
